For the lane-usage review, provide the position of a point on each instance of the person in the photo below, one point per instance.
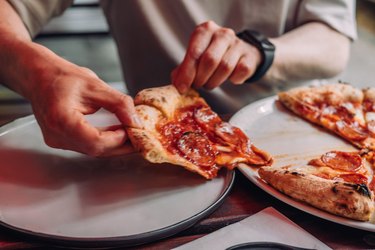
(188, 43)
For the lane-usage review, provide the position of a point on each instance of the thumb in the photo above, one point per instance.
(121, 105)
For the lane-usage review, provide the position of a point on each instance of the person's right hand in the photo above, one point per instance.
(215, 54)
(61, 98)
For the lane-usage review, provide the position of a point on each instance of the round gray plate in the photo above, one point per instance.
(70, 198)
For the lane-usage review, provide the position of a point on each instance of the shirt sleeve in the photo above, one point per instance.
(338, 14)
(36, 13)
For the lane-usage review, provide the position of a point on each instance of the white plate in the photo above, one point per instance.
(292, 141)
(71, 198)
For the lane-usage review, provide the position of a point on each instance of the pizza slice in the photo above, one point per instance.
(337, 107)
(337, 182)
(369, 109)
(183, 130)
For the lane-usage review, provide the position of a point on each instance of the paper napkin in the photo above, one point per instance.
(266, 226)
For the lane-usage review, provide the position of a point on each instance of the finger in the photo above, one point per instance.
(211, 58)
(110, 128)
(81, 136)
(125, 149)
(244, 69)
(89, 71)
(199, 42)
(225, 68)
(173, 75)
(118, 103)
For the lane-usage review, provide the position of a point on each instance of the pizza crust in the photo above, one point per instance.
(333, 94)
(166, 99)
(369, 94)
(340, 198)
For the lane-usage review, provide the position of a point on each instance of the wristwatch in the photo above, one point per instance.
(266, 48)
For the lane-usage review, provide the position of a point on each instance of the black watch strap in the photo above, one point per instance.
(266, 48)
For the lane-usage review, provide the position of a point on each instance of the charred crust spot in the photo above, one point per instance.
(362, 189)
(297, 174)
(163, 99)
(342, 206)
(334, 190)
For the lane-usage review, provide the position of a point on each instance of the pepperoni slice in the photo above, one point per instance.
(338, 113)
(342, 160)
(351, 131)
(206, 118)
(371, 126)
(233, 135)
(197, 148)
(226, 132)
(368, 106)
(307, 109)
(353, 178)
(316, 163)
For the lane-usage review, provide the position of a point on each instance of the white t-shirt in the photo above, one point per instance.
(152, 35)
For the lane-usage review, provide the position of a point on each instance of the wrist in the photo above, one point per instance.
(266, 50)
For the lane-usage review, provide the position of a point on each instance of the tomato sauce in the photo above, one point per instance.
(196, 132)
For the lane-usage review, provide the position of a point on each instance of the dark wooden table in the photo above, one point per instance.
(245, 199)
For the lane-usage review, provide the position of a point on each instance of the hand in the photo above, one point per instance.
(64, 97)
(214, 55)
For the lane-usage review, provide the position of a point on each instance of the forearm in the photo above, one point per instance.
(19, 65)
(20, 58)
(312, 51)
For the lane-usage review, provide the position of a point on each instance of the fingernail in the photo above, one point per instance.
(137, 122)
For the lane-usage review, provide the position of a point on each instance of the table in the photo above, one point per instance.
(245, 199)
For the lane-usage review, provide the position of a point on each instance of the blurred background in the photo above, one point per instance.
(81, 36)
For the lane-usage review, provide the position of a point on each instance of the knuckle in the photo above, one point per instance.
(237, 42)
(244, 68)
(199, 29)
(210, 59)
(195, 53)
(208, 25)
(88, 71)
(225, 67)
(225, 33)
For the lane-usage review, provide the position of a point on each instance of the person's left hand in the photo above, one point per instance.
(214, 55)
